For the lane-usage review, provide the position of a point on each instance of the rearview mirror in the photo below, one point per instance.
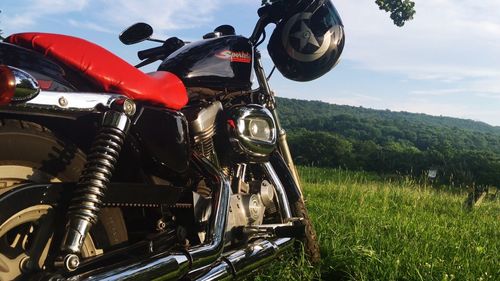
(136, 33)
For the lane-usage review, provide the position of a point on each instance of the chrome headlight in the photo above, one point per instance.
(253, 130)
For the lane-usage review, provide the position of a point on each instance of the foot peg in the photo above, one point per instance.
(294, 229)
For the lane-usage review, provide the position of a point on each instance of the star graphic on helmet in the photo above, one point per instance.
(306, 36)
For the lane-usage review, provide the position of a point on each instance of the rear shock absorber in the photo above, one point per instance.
(88, 196)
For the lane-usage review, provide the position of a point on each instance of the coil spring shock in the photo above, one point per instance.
(88, 197)
(97, 173)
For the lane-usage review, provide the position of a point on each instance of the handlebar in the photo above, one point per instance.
(268, 14)
(150, 53)
(170, 45)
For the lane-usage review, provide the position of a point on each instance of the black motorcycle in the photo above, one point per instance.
(110, 173)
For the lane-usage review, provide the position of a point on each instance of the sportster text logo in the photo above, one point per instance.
(243, 57)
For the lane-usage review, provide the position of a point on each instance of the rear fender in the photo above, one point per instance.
(78, 129)
(74, 115)
(50, 75)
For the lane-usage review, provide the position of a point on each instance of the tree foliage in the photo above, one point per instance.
(401, 10)
(464, 152)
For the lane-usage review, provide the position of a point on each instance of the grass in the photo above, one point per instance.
(375, 229)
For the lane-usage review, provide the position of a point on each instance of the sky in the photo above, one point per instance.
(444, 62)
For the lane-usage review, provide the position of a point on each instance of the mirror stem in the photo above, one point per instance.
(155, 40)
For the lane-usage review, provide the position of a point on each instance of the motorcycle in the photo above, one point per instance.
(110, 173)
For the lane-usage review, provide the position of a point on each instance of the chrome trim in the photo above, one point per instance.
(246, 145)
(287, 156)
(204, 262)
(116, 119)
(205, 119)
(74, 101)
(26, 85)
(174, 265)
(207, 253)
(280, 190)
(268, 227)
(244, 261)
(169, 267)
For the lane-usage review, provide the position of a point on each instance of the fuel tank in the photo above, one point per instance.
(218, 63)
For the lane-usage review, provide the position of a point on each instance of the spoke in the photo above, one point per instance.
(4, 267)
(20, 234)
(42, 238)
(10, 268)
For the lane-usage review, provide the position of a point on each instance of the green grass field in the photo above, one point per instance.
(375, 229)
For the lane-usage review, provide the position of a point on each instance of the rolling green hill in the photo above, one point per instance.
(303, 109)
(464, 152)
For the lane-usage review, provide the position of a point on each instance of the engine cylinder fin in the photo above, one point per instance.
(204, 144)
(202, 127)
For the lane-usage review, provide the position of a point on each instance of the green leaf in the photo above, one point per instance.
(401, 10)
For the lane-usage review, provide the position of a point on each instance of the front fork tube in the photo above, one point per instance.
(282, 140)
(88, 196)
(287, 156)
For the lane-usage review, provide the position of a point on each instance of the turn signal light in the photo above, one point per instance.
(16, 85)
(7, 85)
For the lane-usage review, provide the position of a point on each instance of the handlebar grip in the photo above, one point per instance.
(151, 53)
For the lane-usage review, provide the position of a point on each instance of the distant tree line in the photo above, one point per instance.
(464, 152)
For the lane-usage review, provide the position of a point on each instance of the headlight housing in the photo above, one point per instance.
(252, 131)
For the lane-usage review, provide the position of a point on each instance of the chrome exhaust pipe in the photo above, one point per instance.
(204, 262)
(170, 266)
(244, 261)
(174, 265)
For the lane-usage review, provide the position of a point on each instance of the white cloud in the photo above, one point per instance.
(452, 109)
(114, 15)
(449, 55)
(491, 86)
(354, 99)
(451, 48)
(438, 92)
(163, 15)
(26, 14)
(448, 40)
(18, 21)
(90, 25)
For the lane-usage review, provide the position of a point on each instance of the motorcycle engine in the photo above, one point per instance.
(249, 208)
(253, 199)
(202, 127)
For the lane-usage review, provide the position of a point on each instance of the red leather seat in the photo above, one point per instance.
(105, 69)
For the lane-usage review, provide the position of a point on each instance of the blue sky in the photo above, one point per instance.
(444, 62)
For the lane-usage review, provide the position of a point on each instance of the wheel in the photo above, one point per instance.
(31, 153)
(310, 240)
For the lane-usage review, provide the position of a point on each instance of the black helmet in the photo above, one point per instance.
(308, 41)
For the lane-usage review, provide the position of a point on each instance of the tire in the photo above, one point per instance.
(310, 240)
(32, 153)
(298, 208)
